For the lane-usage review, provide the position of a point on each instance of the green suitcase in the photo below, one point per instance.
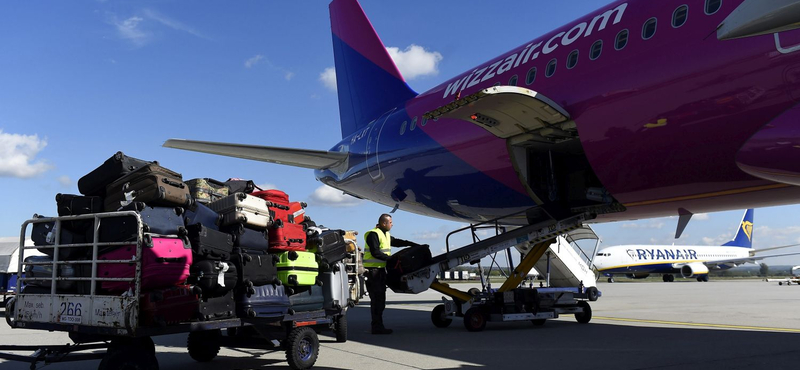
(298, 268)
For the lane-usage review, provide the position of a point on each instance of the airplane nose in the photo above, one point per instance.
(773, 153)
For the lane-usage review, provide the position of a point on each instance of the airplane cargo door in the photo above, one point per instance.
(373, 162)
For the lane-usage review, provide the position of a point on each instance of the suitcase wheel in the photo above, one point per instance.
(178, 211)
(292, 255)
(292, 280)
(277, 282)
(247, 257)
(275, 259)
(241, 196)
(251, 313)
(318, 281)
(291, 311)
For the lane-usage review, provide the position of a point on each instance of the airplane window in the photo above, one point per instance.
(572, 59)
(622, 40)
(597, 48)
(649, 28)
(413, 124)
(403, 127)
(424, 121)
(712, 6)
(551, 68)
(513, 80)
(531, 76)
(679, 16)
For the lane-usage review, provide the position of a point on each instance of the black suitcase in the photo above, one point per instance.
(199, 213)
(155, 220)
(73, 205)
(209, 244)
(248, 238)
(46, 271)
(95, 182)
(307, 299)
(151, 184)
(328, 244)
(268, 301)
(403, 262)
(256, 268)
(43, 233)
(218, 308)
(241, 186)
(214, 278)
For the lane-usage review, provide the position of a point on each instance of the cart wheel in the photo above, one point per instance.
(302, 348)
(438, 317)
(340, 328)
(203, 346)
(591, 293)
(586, 315)
(474, 291)
(474, 319)
(131, 357)
(538, 322)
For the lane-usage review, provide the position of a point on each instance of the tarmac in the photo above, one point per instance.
(746, 324)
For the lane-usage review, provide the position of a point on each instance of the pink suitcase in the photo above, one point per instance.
(165, 263)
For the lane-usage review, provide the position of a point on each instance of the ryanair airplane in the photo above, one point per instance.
(639, 261)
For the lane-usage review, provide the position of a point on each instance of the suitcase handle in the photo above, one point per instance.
(176, 184)
(278, 206)
(170, 259)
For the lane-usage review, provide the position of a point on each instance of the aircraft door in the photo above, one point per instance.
(373, 162)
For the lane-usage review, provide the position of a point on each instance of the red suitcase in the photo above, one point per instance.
(297, 212)
(165, 263)
(287, 237)
(278, 203)
(168, 306)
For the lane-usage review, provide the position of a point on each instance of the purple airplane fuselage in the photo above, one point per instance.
(664, 123)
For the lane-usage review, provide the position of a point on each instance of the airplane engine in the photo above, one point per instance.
(637, 276)
(692, 269)
(796, 271)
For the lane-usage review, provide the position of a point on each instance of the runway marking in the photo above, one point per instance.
(723, 326)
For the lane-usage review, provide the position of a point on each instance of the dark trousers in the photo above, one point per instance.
(376, 286)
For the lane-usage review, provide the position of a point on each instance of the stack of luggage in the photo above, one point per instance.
(211, 250)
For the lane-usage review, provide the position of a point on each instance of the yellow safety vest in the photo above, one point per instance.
(385, 247)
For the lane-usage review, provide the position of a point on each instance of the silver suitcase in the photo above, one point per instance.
(244, 209)
(335, 288)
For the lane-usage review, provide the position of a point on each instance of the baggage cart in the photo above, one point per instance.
(104, 321)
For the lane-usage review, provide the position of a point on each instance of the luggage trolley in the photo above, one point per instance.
(97, 321)
(511, 302)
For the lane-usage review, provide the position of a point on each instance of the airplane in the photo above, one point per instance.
(640, 109)
(641, 261)
(794, 279)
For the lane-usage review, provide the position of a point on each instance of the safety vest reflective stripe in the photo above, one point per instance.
(385, 247)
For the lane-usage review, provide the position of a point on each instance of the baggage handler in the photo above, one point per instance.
(380, 244)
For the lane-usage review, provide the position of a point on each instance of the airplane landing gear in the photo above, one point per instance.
(703, 278)
(668, 278)
(611, 280)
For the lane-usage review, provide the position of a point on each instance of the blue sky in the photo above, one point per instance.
(82, 80)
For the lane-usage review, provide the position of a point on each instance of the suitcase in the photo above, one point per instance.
(119, 165)
(73, 205)
(328, 244)
(278, 203)
(336, 288)
(248, 238)
(207, 190)
(46, 271)
(255, 268)
(168, 306)
(307, 299)
(199, 213)
(297, 212)
(209, 244)
(244, 209)
(218, 308)
(42, 233)
(236, 185)
(155, 220)
(151, 184)
(298, 268)
(403, 262)
(287, 237)
(267, 301)
(165, 262)
(214, 278)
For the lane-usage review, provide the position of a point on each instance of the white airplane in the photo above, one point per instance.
(639, 261)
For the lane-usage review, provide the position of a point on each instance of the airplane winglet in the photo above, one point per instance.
(683, 219)
(306, 158)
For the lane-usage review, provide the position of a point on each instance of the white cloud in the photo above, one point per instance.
(267, 186)
(18, 153)
(171, 23)
(328, 78)
(643, 225)
(288, 75)
(65, 181)
(415, 61)
(253, 61)
(129, 30)
(328, 196)
(700, 217)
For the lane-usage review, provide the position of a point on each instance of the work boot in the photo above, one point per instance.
(382, 331)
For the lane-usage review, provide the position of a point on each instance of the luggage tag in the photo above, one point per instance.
(129, 195)
(221, 276)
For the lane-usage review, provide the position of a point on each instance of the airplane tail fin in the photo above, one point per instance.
(368, 81)
(744, 237)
